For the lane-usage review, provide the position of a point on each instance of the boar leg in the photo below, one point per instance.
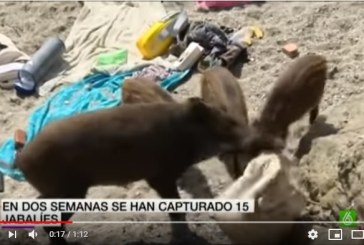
(313, 114)
(64, 216)
(166, 187)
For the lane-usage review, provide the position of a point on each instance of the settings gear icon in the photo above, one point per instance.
(312, 234)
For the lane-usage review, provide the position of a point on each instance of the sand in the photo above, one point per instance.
(331, 29)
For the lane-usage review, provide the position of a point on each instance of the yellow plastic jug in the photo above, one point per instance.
(156, 40)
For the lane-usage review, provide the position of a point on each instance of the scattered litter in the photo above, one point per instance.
(35, 70)
(9, 52)
(113, 58)
(189, 57)
(207, 5)
(8, 74)
(11, 61)
(209, 36)
(245, 35)
(19, 139)
(154, 72)
(157, 39)
(291, 50)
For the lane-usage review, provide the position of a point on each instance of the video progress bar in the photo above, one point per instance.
(214, 222)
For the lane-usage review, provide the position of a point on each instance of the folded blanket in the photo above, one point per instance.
(104, 27)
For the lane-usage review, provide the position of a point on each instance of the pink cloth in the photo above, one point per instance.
(219, 4)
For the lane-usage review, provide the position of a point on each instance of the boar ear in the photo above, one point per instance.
(198, 107)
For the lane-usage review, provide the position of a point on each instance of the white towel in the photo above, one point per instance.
(103, 27)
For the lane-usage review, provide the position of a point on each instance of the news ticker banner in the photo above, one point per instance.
(47, 212)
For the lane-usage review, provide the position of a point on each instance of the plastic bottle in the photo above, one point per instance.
(38, 66)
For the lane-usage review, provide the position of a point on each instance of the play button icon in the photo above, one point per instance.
(11, 234)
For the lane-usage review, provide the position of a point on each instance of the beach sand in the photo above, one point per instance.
(331, 29)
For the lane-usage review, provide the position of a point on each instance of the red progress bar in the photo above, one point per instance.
(34, 222)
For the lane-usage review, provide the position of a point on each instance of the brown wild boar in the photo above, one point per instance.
(143, 90)
(221, 89)
(156, 142)
(299, 90)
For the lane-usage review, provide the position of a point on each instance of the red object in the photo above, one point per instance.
(3, 222)
(218, 4)
(291, 50)
(19, 138)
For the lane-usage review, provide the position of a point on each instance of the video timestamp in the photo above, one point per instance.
(69, 234)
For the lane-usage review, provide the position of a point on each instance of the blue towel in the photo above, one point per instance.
(94, 92)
